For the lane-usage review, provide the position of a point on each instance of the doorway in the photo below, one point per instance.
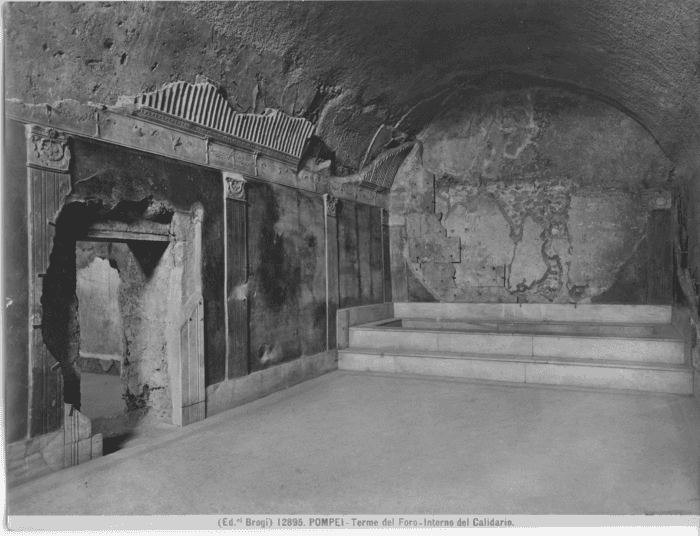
(135, 354)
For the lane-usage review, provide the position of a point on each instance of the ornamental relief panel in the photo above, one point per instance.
(48, 148)
(234, 185)
(331, 204)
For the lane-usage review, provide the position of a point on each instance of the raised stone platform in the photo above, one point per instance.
(538, 312)
(605, 346)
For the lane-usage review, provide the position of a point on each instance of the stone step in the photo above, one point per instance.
(12, 464)
(551, 312)
(608, 374)
(637, 349)
(664, 331)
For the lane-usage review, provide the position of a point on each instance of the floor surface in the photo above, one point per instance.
(353, 443)
(101, 395)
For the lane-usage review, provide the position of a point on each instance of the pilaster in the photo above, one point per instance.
(330, 205)
(48, 185)
(236, 275)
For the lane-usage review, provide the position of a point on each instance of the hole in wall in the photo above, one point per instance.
(139, 262)
(123, 366)
(105, 317)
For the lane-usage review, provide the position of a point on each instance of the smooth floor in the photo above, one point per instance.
(361, 443)
(101, 395)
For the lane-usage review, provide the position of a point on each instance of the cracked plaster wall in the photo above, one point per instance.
(355, 66)
(539, 193)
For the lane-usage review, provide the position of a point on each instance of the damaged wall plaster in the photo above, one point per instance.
(541, 189)
(148, 276)
(286, 291)
(107, 174)
(134, 330)
(386, 58)
(97, 287)
(145, 299)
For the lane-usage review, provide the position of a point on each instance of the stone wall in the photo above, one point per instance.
(691, 217)
(97, 287)
(88, 307)
(360, 255)
(287, 263)
(687, 250)
(16, 305)
(287, 287)
(533, 195)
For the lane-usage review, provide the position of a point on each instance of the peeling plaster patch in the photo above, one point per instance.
(474, 139)
(512, 130)
(528, 266)
(507, 166)
(562, 249)
(485, 242)
(270, 353)
(605, 231)
(517, 137)
(454, 145)
(438, 275)
(335, 111)
(240, 292)
(544, 200)
(450, 191)
(427, 240)
(490, 221)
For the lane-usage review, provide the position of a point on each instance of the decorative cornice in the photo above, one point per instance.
(169, 121)
(234, 186)
(47, 148)
(331, 204)
(202, 108)
(118, 126)
(657, 199)
(379, 175)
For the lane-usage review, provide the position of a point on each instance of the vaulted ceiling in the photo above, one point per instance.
(354, 66)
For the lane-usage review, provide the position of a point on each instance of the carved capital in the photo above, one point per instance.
(198, 214)
(331, 204)
(234, 186)
(47, 148)
(657, 199)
